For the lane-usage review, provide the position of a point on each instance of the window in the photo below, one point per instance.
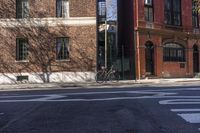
(173, 52)
(102, 10)
(62, 48)
(22, 8)
(195, 17)
(62, 8)
(148, 10)
(21, 49)
(173, 12)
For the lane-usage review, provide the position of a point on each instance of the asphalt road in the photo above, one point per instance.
(121, 110)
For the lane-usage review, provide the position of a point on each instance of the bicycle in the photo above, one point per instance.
(105, 75)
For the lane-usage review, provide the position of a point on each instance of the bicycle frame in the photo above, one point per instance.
(104, 74)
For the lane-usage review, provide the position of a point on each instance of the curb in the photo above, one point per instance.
(54, 86)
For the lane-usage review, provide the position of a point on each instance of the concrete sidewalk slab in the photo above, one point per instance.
(93, 84)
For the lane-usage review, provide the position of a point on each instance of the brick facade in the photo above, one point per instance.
(41, 35)
(158, 33)
(47, 9)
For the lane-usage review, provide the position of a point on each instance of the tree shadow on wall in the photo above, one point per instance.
(41, 37)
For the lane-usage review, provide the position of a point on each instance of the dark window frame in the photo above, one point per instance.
(22, 12)
(173, 53)
(59, 9)
(149, 7)
(22, 49)
(195, 16)
(171, 13)
(63, 53)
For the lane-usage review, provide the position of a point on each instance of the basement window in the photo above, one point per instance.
(22, 78)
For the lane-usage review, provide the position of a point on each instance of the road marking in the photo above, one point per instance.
(178, 89)
(121, 92)
(193, 118)
(145, 94)
(185, 110)
(1, 113)
(65, 97)
(180, 101)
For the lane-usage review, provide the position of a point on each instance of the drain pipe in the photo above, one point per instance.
(137, 40)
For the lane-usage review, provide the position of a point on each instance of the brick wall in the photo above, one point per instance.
(42, 39)
(42, 49)
(47, 8)
(82, 8)
(159, 33)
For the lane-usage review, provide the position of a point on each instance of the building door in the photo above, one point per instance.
(195, 59)
(149, 55)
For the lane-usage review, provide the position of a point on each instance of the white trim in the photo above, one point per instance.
(51, 22)
(10, 78)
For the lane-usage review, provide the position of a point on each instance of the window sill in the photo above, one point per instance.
(65, 60)
(21, 61)
(174, 61)
(173, 27)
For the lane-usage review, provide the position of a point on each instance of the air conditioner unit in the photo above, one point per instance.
(148, 2)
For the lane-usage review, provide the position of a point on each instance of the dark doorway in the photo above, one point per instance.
(195, 59)
(149, 55)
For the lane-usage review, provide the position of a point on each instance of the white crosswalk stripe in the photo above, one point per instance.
(191, 115)
(185, 110)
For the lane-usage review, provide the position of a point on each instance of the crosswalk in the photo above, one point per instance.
(191, 115)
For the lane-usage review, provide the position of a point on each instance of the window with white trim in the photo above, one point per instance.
(22, 49)
(62, 48)
(22, 9)
(62, 8)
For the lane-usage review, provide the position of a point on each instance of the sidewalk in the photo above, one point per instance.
(93, 84)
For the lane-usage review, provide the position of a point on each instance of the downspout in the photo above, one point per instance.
(137, 39)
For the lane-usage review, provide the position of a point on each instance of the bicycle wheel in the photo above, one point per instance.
(114, 77)
(99, 77)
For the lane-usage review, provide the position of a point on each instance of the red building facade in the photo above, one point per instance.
(166, 38)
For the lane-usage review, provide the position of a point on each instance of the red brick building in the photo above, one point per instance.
(57, 40)
(47, 40)
(166, 38)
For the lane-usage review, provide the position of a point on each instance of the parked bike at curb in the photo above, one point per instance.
(107, 74)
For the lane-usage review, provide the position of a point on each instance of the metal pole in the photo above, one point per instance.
(106, 44)
(123, 62)
(137, 40)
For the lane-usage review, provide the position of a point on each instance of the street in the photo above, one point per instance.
(111, 110)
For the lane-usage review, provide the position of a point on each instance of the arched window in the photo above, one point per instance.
(173, 52)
